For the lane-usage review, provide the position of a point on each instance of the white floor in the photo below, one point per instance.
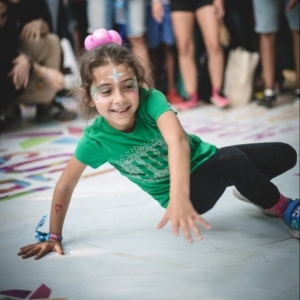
(112, 249)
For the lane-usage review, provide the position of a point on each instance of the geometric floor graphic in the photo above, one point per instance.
(43, 292)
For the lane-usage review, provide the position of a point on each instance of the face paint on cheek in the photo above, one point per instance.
(95, 94)
(135, 84)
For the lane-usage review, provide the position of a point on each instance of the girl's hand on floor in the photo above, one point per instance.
(183, 215)
(41, 249)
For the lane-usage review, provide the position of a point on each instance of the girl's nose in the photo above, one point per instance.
(119, 97)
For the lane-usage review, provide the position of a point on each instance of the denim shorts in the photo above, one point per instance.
(266, 14)
(159, 32)
(100, 15)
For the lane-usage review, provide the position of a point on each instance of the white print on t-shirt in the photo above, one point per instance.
(147, 162)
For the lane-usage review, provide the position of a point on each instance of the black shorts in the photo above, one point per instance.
(189, 5)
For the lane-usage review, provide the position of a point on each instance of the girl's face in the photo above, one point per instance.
(115, 95)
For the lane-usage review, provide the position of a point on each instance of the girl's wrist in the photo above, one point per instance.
(55, 236)
(44, 236)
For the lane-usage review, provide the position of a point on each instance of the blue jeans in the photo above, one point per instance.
(100, 15)
(158, 33)
(266, 14)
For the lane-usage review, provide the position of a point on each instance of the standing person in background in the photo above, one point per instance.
(32, 59)
(160, 33)
(78, 12)
(266, 14)
(208, 13)
(239, 21)
(100, 15)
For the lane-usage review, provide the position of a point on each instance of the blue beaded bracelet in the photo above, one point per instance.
(43, 236)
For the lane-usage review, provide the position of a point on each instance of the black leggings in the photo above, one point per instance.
(248, 167)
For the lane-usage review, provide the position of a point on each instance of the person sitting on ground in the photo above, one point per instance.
(30, 60)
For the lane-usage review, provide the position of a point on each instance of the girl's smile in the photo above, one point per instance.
(115, 95)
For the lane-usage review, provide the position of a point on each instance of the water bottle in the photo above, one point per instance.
(120, 12)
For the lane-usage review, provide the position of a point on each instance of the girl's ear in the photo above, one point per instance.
(88, 101)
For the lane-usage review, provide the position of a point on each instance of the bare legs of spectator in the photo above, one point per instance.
(209, 26)
(296, 40)
(183, 25)
(140, 49)
(268, 52)
(170, 66)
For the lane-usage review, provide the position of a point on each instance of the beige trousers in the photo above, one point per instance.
(45, 52)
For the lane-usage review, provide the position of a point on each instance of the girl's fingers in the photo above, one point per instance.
(25, 249)
(163, 221)
(31, 252)
(58, 249)
(42, 252)
(175, 228)
(201, 221)
(186, 231)
(195, 228)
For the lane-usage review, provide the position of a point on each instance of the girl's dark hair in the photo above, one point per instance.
(102, 56)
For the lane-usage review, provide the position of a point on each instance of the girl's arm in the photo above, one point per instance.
(180, 209)
(60, 203)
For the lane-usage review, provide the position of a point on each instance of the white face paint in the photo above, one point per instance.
(115, 75)
(95, 94)
(135, 84)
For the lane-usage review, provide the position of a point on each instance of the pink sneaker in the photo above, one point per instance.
(191, 103)
(173, 97)
(185, 105)
(219, 99)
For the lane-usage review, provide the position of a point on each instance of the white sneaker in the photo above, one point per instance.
(238, 195)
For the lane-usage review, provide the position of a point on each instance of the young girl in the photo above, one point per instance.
(139, 134)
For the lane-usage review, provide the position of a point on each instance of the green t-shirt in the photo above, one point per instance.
(141, 155)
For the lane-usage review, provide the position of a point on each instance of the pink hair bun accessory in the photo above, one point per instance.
(115, 37)
(100, 37)
(89, 42)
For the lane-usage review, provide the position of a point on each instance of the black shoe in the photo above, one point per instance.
(53, 112)
(11, 115)
(268, 100)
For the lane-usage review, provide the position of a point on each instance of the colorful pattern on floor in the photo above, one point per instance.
(112, 249)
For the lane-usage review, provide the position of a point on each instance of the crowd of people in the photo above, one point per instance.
(177, 42)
